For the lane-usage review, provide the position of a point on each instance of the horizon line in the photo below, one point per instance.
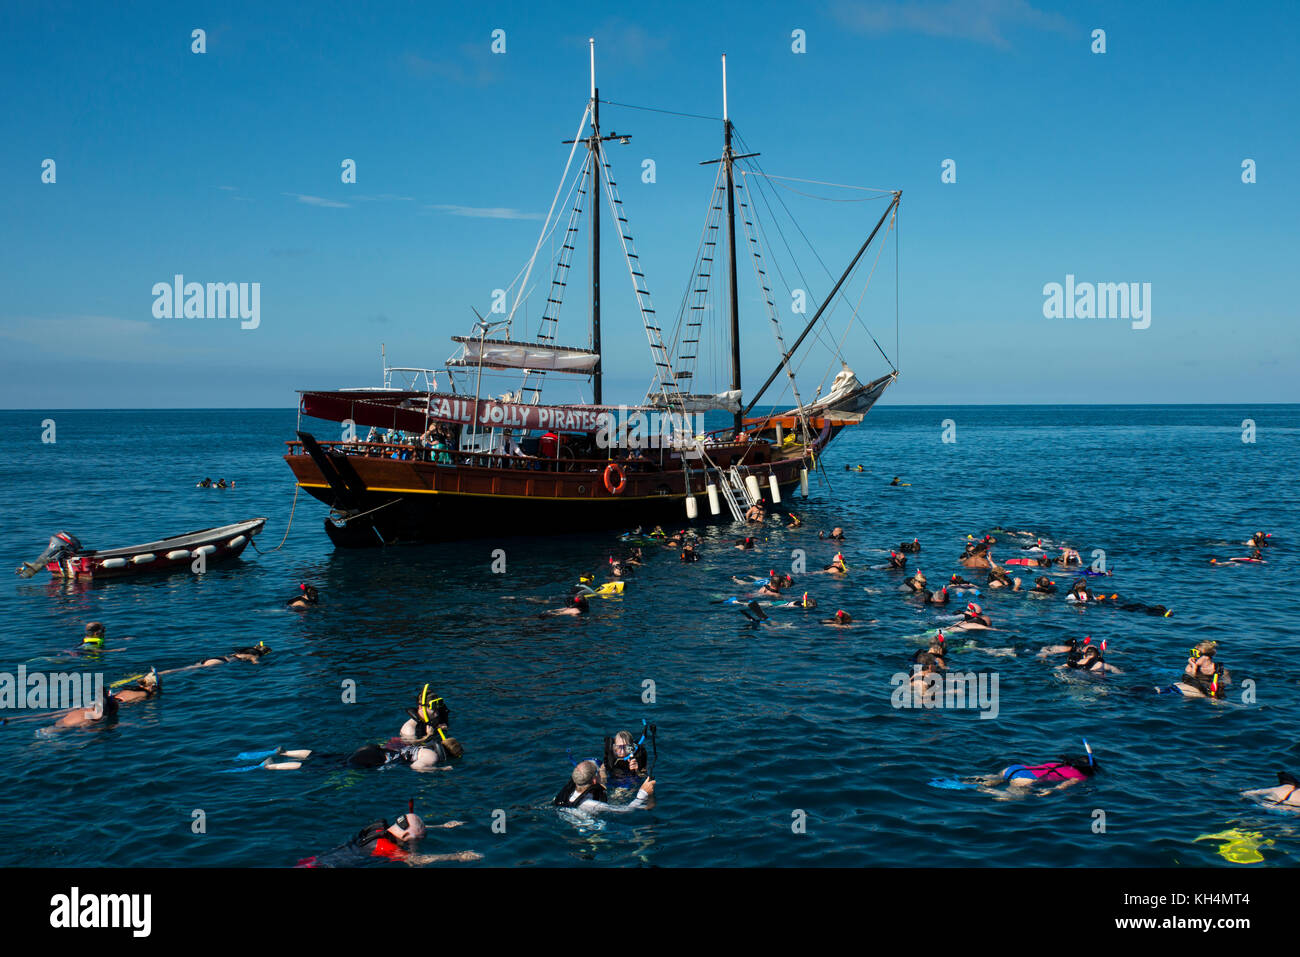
(910, 405)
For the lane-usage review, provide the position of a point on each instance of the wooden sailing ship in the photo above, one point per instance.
(446, 460)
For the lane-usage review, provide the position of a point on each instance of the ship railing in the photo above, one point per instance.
(479, 458)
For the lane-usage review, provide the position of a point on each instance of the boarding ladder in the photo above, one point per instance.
(729, 496)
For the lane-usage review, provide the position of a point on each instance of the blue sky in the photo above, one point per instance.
(1115, 167)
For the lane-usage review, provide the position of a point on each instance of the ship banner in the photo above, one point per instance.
(413, 411)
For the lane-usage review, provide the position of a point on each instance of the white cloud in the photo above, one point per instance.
(485, 212)
(318, 201)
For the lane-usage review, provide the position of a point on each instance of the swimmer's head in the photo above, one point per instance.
(580, 603)
(584, 773)
(261, 648)
(410, 827)
(925, 661)
(309, 592)
(1206, 648)
(974, 609)
(842, 617)
(94, 633)
(1085, 764)
(108, 703)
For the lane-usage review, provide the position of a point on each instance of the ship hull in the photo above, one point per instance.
(386, 502)
(442, 518)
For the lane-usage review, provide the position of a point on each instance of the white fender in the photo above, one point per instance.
(143, 559)
(178, 555)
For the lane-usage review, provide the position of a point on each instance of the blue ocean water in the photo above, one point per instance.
(755, 724)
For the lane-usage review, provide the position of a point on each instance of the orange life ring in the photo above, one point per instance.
(616, 469)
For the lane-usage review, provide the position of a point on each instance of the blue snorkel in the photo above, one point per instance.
(576, 762)
(1091, 761)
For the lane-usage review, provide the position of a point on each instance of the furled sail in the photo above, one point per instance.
(728, 401)
(505, 354)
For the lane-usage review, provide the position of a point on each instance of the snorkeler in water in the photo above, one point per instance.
(925, 666)
(939, 597)
(626, 760)
(1203, 677)
(998, 578)
(1044, 586)
(1069, 557)
(427, 719)
(395, 842)
(577, 606)
(745, 543)
(1254, 558)
(842, 619)
(585, 795)
(1063, 772)
(417, 757)
(1072, 646)
(148, 686)
(1090, 658)
(836, 535)
(916, 582)
(1285, 796)
(976, 556)
(897, 561)
(252, 654)
(912, 547)
(92, 646)
(803, 602)
(837, 566)
(308, 596)
(972, 619)
(937, 651)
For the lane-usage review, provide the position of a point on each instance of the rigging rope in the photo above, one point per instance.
(545, 232)
(652, 109)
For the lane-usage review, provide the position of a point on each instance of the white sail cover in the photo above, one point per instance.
(503, 354)
(728, 401)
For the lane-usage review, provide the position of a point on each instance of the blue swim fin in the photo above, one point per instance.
(256, 755)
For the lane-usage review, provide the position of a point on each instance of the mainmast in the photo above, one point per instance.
(593, 186)
(728, 161)
(593, 189)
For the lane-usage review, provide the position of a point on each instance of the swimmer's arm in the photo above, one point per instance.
(419, 860)
(643, 795)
